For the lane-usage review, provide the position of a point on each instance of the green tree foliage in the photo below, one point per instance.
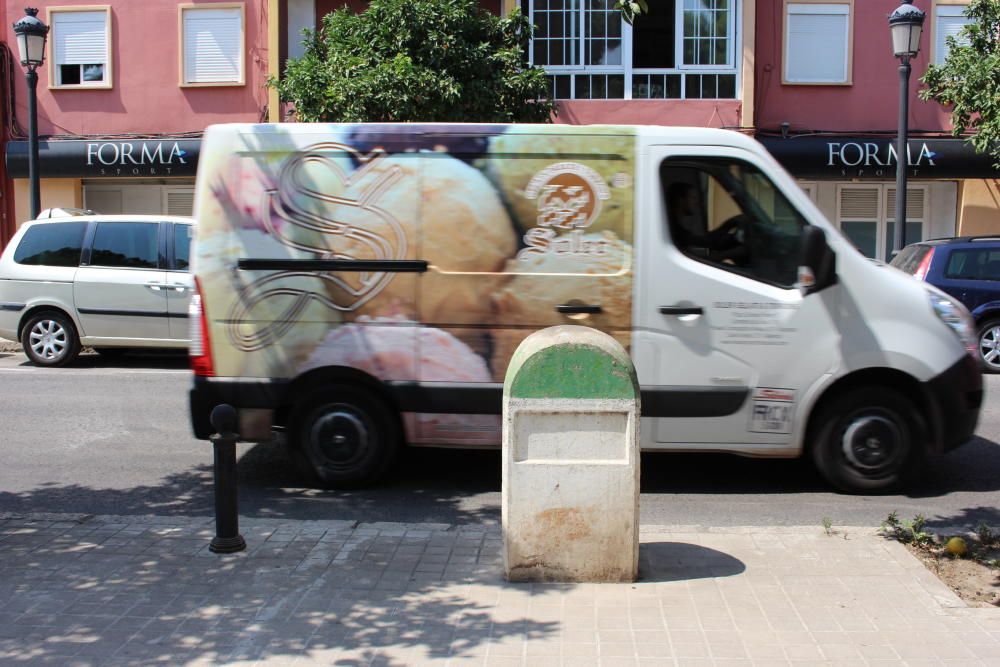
(417, 60)
(969, 79)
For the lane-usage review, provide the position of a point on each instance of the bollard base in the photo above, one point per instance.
(227, 545)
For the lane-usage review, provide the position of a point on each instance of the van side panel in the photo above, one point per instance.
(414, 253)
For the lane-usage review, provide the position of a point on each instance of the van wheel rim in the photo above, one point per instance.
(341, 437)
(989, 346)
(873, 444)
(48, 340)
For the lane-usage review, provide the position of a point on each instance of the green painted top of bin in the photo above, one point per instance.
(571, 362)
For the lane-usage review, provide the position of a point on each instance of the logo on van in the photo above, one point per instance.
(568, 197)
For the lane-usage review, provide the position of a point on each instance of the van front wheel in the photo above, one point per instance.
(867, 441)
(345, 436)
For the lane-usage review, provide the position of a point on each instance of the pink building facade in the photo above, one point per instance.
(827, 105)
(125, 92)
(683, 63)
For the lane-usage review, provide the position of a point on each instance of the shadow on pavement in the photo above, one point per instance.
(87, 594)
(679, 561)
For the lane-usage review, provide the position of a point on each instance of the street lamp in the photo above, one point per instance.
(906, 24)
(31, 34)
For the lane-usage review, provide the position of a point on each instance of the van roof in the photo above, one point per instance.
(685, 135)
(114, 218)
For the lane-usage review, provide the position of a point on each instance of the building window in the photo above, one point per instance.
(866, 215)
(212, 44)
(80, 53)
(680, 49)
(817, 43)
(949, 21)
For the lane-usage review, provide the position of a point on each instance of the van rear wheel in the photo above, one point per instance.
(989, 346)
(867, 441)
(344, 435)
(49, 339)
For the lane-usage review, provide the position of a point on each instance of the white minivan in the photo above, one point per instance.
(364, 287)
(112, 282)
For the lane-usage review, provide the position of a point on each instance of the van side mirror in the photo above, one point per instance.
(817, 261)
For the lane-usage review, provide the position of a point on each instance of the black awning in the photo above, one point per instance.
(837, 157)
(97, 158)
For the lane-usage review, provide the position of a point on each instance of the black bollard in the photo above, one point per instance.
(227, 538)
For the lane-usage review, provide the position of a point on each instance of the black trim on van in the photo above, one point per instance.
(388, 265)
(453, 398)
(14, 307)
(124, 313)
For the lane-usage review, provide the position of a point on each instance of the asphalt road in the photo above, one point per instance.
(112, 437)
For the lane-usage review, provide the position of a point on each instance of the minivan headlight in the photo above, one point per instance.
(957, 317)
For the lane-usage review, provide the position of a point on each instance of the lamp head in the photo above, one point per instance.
(31, 35)
(906, 23)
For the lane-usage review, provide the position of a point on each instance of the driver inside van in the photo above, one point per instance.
(690, 230)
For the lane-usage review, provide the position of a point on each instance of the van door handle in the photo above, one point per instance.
(156, 287)
(682, 310)
(575, 308)
(177, 287)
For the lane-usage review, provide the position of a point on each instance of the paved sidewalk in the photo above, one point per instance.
(82, 590)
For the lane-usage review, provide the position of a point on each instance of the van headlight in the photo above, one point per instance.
(957, 317)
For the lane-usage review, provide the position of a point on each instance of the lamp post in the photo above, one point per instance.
(31, 34)
(906, 24)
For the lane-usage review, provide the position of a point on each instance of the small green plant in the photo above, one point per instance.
(985, 535)
(828, 525)
(907, 532)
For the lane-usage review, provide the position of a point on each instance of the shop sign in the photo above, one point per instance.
(864, 157)
(97, 158)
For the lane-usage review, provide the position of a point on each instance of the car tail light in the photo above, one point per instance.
(200, 350)
(925, 266)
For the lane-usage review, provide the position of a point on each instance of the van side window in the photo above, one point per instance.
(56, 244)
(182, 247)
(726, 213)
(131, 245)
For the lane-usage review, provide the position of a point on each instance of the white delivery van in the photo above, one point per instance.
(364, 287)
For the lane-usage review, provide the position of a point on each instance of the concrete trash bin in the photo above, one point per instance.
(571, 459)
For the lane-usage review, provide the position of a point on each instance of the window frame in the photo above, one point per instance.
(883, 244)
(628, 72)
(108, 82)
(935, 6)
(181, 51)
(849, 78)
(697, 162)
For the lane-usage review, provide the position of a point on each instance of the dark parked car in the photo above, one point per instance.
(968, 268)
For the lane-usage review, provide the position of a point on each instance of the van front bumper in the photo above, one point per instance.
(956, 396)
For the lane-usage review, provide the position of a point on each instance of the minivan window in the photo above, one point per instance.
(182, 247)
(56, 244)
(727, 213)
(974, 264)
(130, 245)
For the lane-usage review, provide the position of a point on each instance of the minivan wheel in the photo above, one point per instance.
(989, 346)
(345, 436)
(49, 339)
(866, 441)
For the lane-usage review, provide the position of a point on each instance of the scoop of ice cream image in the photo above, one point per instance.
(568, 188)
(591, 268)
(395, 348)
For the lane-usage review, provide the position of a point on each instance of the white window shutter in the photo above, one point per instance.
(816, 43)
(859, 203)
(80, 38)
(914, 204)
(212, 41)
(950, 22)
(180, 202)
